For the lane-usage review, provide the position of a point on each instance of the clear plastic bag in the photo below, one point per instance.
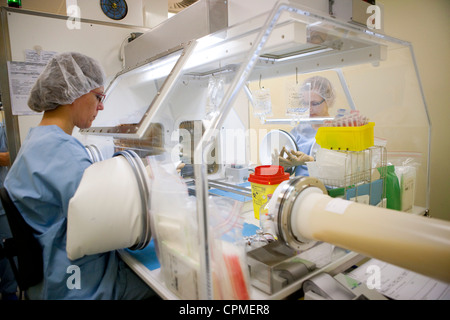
(262, 103)
(174, 226)
(215, 95)
(294, 107)
(230, 270)
(177, 241)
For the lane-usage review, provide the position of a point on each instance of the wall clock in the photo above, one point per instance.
(114, 9)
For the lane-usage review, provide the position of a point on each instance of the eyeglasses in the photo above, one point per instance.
(100, 96)
(312, 103)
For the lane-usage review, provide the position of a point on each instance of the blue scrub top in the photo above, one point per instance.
(305, 137)
(3, 148)
(43, 178)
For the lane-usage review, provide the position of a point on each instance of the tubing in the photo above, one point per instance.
(416, 243)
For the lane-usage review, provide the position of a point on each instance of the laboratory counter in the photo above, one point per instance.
(326, 257)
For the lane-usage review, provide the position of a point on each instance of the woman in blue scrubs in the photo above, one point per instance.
(46, 174)
(318, 94)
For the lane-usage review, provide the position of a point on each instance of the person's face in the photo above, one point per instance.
(86, 108)
(318, 105)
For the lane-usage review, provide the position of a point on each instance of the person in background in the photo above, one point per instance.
(318, 94)
(47, 172)
(8, 284)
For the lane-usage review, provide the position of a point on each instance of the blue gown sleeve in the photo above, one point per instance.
(304, 136)
(45, 175)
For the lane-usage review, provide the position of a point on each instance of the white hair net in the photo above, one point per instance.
(66, 77)
(321, 86)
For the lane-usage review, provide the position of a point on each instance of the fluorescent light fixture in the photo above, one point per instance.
(290, 56)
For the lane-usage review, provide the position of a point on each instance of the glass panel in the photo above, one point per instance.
(131, 94)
